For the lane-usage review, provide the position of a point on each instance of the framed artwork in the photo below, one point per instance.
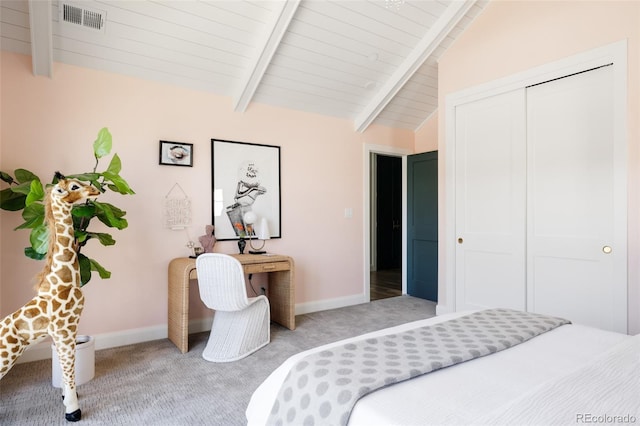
(176, 154)
(244, 177)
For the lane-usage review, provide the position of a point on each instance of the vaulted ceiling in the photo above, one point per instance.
(371, 61)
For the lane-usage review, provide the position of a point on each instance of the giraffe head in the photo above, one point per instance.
(72, 191)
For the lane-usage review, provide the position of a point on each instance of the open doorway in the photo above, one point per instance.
(386, 226)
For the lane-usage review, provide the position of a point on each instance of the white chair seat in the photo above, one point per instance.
(240, 324)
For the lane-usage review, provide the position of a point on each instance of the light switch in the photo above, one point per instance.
(348, 212)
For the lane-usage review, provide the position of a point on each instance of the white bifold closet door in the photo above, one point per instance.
(576, 264)
(538, 203)
(490, 202)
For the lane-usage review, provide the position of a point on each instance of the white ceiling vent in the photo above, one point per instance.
(81, 16)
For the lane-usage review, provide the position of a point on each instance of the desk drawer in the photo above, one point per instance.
(256, 268)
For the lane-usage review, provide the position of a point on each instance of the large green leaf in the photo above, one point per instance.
(83, 210)
(39, 239)
(6, 177)
(86, 176)
(80, 236)
(95, 266)
(12, 201)
(119, 184)
(36, 192)
(22, 188)
(23, 175)
(102, 145)
(32, 254)
(33, 216)
(85, 269)
(104, 238)
(111, 215)
(115, 165)
(87, 265)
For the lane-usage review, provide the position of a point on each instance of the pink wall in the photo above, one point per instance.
(427, 135)
(50, 124)
(513, 36)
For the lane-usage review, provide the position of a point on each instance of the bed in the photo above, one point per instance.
(572, 374)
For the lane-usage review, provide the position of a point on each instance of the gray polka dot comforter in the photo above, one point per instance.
(322, 388)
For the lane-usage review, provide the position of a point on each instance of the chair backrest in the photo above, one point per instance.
(221, 282)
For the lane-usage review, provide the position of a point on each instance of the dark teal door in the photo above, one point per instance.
(422, 225)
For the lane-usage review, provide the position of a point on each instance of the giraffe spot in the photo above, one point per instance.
(21, 324)
(41, 323)
(71, 305)
(12, 340)
(66, 274)
(64, 241)
(32, 313)
(55, 304)
(65, 255)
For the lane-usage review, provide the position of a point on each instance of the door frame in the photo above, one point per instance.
(369, 149)
(615, 53)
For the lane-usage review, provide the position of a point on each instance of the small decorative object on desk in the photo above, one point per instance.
(208, 240)
(241, 244)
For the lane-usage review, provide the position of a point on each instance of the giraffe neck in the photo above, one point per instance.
(62, 260)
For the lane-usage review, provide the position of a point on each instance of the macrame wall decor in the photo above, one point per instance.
(177, 215)
(177, 209)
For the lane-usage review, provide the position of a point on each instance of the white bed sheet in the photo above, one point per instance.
(462, 394)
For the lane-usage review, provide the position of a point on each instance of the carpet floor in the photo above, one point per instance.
(152, 383)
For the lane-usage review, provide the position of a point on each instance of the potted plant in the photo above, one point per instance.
(26, 193)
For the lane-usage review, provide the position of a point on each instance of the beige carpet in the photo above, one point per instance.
(154, 384)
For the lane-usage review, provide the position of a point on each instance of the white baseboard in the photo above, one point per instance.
(442, 309)
(113, 340)
(138, 335)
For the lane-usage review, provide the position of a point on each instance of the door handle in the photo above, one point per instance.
(607, 249)
(460, 240)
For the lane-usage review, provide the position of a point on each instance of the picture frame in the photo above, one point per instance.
(244, 176)
(176, 154)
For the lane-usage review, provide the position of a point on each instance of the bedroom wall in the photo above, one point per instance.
(50, 124)
(513, 36)
(427, 135)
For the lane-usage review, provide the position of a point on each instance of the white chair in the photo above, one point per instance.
(240, 324)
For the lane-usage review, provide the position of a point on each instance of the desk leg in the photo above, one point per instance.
(282, 298)
(178, 314)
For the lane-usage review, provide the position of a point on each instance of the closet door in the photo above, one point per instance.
(490, 202)
(576, 246)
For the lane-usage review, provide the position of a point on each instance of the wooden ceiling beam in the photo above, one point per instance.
(41, 37)
(412, 63)
(282, 19)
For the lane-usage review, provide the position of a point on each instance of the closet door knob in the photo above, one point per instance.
(606, 249)
(460, 240)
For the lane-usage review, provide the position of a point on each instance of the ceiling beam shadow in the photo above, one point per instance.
(282, 19)
(410, 65)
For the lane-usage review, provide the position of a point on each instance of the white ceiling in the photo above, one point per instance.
(365, 61)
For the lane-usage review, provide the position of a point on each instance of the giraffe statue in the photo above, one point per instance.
(56, 309)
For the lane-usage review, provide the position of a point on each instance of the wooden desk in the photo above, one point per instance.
(281, 291)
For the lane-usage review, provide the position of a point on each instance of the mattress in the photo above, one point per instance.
(465, 393)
